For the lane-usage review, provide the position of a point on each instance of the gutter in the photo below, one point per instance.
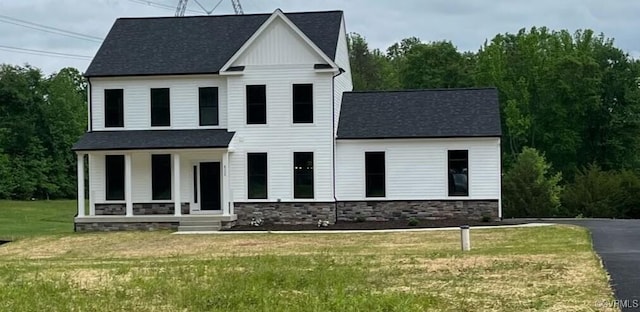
(333, 139)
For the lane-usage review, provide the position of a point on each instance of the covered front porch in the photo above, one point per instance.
(156, 185)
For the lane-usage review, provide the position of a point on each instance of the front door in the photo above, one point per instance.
(210, 186)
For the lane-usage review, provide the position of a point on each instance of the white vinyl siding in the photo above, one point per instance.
(343, 82)
(141, 173)
(279, 137)
(417, 169)
(278, 45)
(184, 100)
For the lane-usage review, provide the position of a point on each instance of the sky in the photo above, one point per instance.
(467, 23)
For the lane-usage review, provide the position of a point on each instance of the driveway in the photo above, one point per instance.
(618, 244)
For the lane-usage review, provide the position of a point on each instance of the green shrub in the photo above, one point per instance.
(596, 193)
(529, 189)
(413, 222)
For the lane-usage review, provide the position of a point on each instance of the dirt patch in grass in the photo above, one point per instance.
(370, 225)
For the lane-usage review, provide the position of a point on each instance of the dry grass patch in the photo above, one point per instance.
(519, 269)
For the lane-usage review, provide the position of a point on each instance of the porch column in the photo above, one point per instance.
(80, 185)
(127, 185)
(225, 184)
(176, 186)
(92, 193)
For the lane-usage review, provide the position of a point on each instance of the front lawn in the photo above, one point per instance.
(546, 268)
(27, 218)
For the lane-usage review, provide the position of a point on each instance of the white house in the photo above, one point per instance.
(238, 117)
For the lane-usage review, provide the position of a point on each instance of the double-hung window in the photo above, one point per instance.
(160, 108)
(458, 172)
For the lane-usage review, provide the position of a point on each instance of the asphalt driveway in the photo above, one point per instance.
(618, 244)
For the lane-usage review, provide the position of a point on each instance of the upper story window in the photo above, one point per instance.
(375, 174)
(302, 103)
(458, 173)
(303, 175)
(208, 106)
(256, 104)
(113, 108)
(114, 177)
(160, 108)
(161, 177)
(257, 175)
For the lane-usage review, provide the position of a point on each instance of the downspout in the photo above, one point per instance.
(89, 121)
(333, 135)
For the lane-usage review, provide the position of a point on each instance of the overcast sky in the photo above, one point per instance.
(467, 23)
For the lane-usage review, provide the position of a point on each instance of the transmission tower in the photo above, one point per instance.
(182, 7)
(237, 7)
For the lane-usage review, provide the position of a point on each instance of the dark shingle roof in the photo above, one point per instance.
(153, 139)
(420, 114)
(195, 45)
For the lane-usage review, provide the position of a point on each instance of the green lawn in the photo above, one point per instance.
(27, 218)
(518, 269)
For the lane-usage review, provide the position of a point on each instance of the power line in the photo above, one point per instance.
(48, 29)
(43, 53)
(159, 5)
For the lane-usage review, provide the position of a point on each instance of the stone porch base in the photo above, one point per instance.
(144, 223)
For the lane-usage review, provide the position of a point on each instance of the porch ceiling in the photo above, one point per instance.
(153, 139)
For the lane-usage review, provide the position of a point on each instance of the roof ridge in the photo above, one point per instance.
(424, 90)
(224, 15)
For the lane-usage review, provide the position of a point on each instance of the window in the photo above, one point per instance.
(458, 173)
(161, 177)
(375, 174)
(113, 108)
(257, 175)
(256, 104)
(208, 106)
(114, 169)
(160, 109)
(302, 103)
(303, 175)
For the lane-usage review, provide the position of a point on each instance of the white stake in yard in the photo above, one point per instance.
(464, 238)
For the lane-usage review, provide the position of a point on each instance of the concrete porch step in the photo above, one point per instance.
(198, 228)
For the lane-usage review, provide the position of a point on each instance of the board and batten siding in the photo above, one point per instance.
(183, 99)
(416, 169)
(278, 44)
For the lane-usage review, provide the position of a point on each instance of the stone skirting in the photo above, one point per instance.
(285, 213)
(139, 209)
(419, 209)
(125, 226)
(110, 209)
(145, 209)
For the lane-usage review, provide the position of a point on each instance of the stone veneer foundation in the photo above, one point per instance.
(125, 226)
(310, 213)
(285, 213)
(139, 209)
(306, 213)
(419, 209)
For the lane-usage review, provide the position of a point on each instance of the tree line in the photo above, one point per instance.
(41, 117)
(570, 105)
